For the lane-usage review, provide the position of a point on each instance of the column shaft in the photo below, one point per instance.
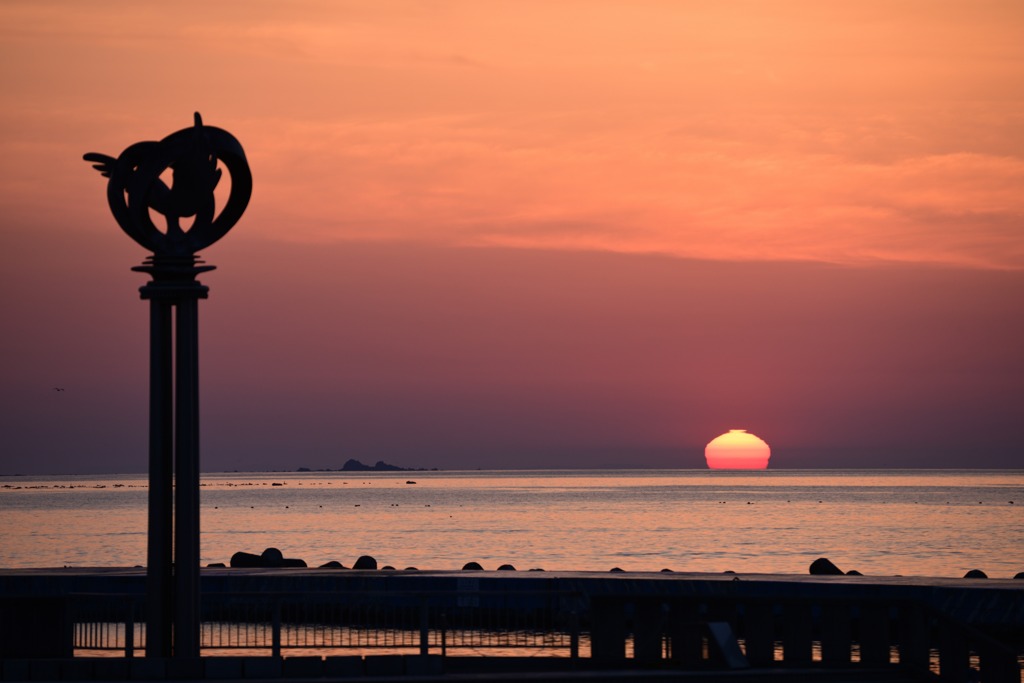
(159, 602)
(186, 631)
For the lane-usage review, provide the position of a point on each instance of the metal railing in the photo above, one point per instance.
(798, 632)
(722, 631)
(270, 623)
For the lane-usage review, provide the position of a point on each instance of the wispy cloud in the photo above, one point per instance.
(802, 130)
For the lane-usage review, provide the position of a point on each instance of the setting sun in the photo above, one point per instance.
(737, 450)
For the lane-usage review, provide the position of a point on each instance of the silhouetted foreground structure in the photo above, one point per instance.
(135, 189)
(329, 623)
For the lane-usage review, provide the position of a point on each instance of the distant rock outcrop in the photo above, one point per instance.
(354, 465)
(975, 574)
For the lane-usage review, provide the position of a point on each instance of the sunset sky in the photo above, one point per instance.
(531, 234)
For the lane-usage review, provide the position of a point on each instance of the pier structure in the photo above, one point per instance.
(728, 627)
(195, 159)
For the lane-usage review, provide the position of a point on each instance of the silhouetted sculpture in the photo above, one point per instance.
(134, 189)
(192, 154)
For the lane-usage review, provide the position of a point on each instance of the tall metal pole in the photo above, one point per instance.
(186, 458)
(136, 191)
(172, 590)
(161, 481)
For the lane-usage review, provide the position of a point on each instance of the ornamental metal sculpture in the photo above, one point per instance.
(192, 155)
(136, 189)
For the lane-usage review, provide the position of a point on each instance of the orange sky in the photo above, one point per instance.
(835, 131)
(871, 135)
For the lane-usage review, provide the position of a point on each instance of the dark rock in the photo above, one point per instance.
(854, 572)
(824, 567)
(616, 569)
(506, 568)
(975, 574)
(365, 562)
(666, 570)
(353, 465)
(245, 560)
(333, 564)
(272, 557)
(411, 569)
(1019, 575)
(472, 566)
(216, 564)
(387, 568)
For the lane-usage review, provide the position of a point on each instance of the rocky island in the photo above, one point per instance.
(353, 465)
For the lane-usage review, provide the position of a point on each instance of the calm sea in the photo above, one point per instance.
(882, 522)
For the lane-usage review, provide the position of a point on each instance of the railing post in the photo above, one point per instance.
(424, 626)
(913, 638)
(444, 635)
(275, 630)
(129, 631)
(873, 629)
(759, 633)
(997, 664)
(607, 628)
(954, 655)
(797, 630)
(574, 635)
(648, 642)
(836, 633)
